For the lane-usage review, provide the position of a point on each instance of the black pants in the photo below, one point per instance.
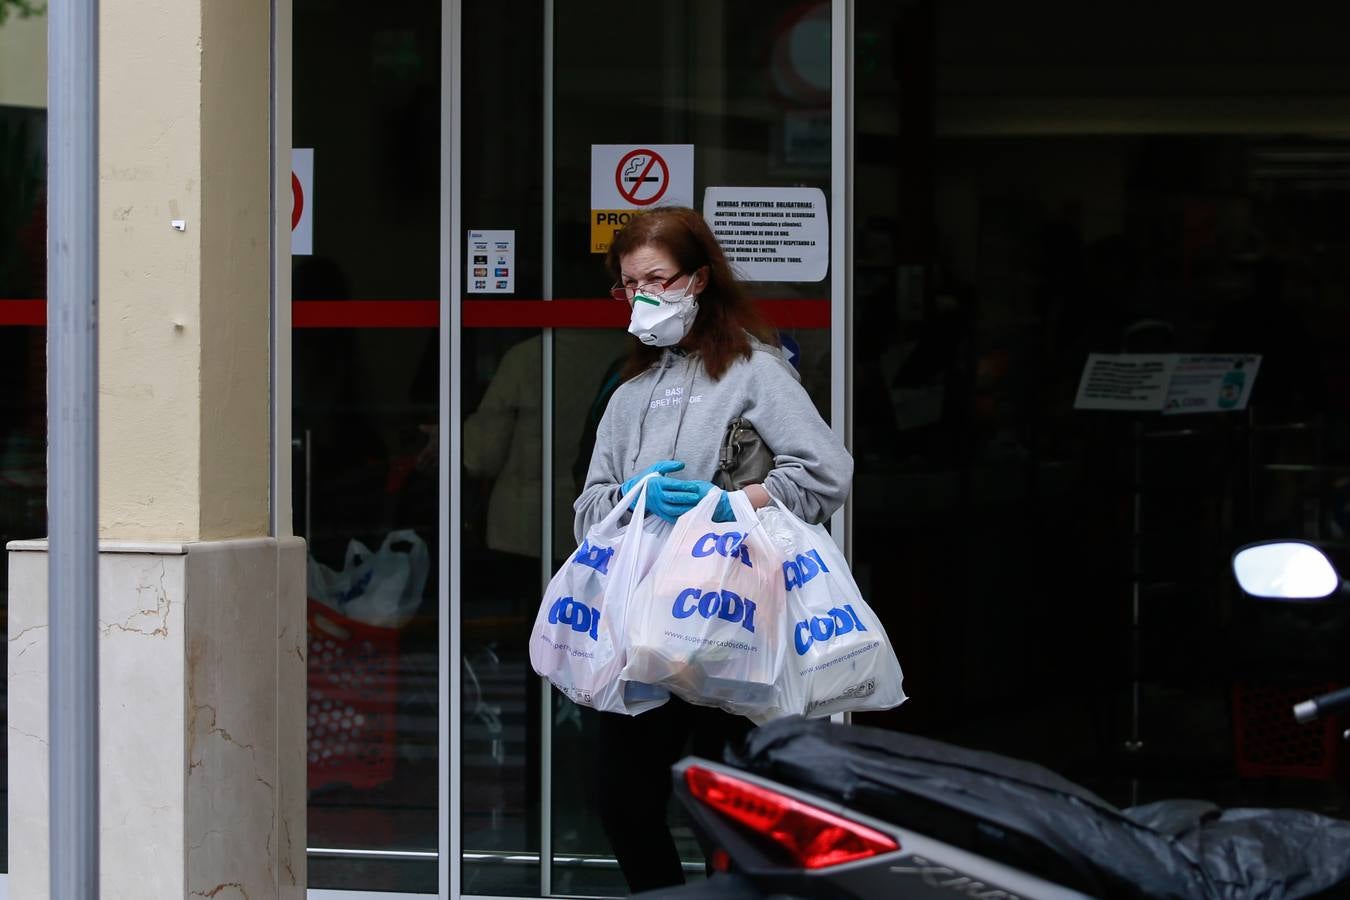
(630, 780)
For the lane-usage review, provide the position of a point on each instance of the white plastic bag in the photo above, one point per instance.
(840, 658)
(706, 622)
(383, 588)
(577, 641)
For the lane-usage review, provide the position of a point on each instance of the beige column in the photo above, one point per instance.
(202, 704)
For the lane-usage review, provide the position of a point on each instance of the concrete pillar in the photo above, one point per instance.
(202, 623)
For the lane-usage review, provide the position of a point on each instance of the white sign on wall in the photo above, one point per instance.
(302, 201)
(629, 177)
(771, 233)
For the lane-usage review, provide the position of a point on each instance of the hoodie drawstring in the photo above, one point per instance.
(692, 365)
(642, 419)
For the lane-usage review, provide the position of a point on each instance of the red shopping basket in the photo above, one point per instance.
(1271, 744)
(353, 687)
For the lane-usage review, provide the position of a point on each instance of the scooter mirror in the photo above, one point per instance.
(1285, 570)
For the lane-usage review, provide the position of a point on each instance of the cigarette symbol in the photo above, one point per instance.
(632, 173)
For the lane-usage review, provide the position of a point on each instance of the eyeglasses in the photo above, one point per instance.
(626, 293)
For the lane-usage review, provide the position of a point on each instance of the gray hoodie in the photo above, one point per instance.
(674, 410)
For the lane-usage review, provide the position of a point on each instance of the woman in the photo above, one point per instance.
(703, 356)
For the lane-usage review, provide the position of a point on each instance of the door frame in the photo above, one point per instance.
(450, 337)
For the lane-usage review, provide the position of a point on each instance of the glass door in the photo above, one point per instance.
(704, 102)
(499, 496)
(367, 95)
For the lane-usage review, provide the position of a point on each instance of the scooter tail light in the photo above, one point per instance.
(814, 838)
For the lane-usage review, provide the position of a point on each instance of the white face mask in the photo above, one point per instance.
(663, 318)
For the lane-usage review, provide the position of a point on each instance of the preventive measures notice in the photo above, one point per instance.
(771, 234)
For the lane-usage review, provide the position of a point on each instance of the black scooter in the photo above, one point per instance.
(809, 808)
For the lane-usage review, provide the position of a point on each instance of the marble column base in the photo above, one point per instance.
(201, 720)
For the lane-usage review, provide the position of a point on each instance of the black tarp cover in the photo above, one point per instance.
(1181, 849)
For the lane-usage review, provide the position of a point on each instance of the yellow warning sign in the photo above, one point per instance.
(605, 223)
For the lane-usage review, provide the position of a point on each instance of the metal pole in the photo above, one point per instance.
(450, 838)
(1135, 744)
(547, 362)
(841, 230)
(72, 414)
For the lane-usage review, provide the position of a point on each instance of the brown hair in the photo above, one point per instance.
(725, 312)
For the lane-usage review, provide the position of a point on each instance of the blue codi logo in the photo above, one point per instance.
(725, 605)
(840, 620)
(596, 557)
(797, 572)
(583, 619)
(730, 545)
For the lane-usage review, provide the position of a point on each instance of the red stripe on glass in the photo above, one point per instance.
(365, 314)
(23, 312)
(476, 313)
(517, 313)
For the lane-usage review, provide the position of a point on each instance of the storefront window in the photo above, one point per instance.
(1056, 577)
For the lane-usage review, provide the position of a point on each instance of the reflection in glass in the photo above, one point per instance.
(367, 100)
(500, 568)
(368, 509)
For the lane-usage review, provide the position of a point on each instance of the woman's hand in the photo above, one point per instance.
(755, 493)
(758, 495)
(661, 467)
(722, 513)
(671, 498)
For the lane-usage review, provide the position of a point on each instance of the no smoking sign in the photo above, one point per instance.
(630, 177)
(302, 201)
(642, 177)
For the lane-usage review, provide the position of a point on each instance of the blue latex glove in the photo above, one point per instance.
(700, 490)
(660, 467)
(671, 498)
